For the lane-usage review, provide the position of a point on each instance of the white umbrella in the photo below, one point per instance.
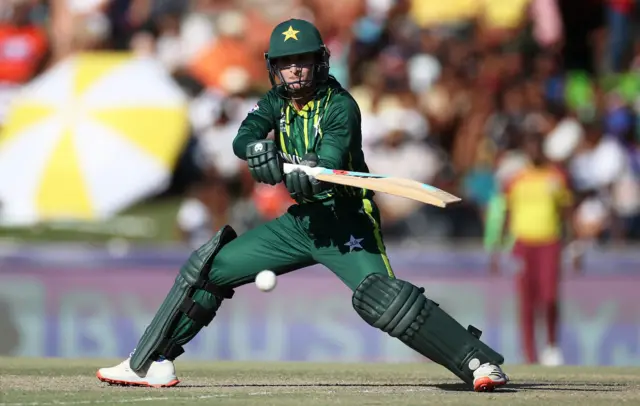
(93, 135)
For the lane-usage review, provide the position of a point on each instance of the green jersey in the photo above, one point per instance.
(329, 125)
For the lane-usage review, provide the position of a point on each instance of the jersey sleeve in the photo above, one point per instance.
(339, 126)
(496, 215)
(256, 126)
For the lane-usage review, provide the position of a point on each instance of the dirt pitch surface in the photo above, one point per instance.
(37, 382)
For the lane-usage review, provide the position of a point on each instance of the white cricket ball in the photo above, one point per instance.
(266, 280)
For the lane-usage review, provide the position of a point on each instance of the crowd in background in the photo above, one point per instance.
(448, 91)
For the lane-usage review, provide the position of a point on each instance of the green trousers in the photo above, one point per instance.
(343, 235)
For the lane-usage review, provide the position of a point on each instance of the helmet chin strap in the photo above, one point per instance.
(306, 89)
(301, 94)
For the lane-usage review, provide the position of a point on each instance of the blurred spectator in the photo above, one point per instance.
(502, 20)
(597, 165)
(78, 26)
(24, 47)
(443, 16)
(196, 213)
(228, 54)
(547, 23)
(564, 135)
(620, 23)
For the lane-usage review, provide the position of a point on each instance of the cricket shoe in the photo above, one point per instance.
(160, 374)
(488, 377)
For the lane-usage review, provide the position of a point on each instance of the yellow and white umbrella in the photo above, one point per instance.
(89, 137)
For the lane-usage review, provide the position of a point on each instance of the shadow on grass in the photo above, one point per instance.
(540, 386)
(448, 387)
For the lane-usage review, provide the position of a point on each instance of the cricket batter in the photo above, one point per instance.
(316, 122)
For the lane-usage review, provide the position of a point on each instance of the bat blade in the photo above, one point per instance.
(401, 187)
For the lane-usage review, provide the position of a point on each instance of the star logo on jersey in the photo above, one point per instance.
(354, 243)
(290, 33)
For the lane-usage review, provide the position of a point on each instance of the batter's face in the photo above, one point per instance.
(296, 69)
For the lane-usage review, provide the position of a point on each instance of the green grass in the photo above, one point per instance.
(39, 382)
(152, 221)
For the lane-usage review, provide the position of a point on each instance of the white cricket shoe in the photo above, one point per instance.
(488, 377)
(551, 357)
(159, 374)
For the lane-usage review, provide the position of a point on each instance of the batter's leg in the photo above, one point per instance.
(204, 281)
(358, 257)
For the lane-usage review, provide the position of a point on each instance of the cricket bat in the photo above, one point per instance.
(406, 188)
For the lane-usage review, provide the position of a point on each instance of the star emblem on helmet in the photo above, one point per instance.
(290, 33)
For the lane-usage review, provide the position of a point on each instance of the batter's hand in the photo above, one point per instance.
(265, 164)
(300, 184)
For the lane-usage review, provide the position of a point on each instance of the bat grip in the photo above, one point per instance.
(288, 168)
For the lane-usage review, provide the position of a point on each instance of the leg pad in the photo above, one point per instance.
(164, 337)
(403, 311)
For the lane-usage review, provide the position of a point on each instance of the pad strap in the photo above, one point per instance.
(222, 293)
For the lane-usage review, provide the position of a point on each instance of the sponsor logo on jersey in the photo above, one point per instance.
(283, 124)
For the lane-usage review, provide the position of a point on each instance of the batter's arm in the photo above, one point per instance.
(341, 124)
(256, 126)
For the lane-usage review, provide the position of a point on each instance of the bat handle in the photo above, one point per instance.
(288, 168)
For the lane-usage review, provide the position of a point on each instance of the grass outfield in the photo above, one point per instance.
(38, 382)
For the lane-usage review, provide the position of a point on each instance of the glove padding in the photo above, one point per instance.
(299, 184)
(265, 164)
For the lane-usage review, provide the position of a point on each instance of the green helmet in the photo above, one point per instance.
(295, 37)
